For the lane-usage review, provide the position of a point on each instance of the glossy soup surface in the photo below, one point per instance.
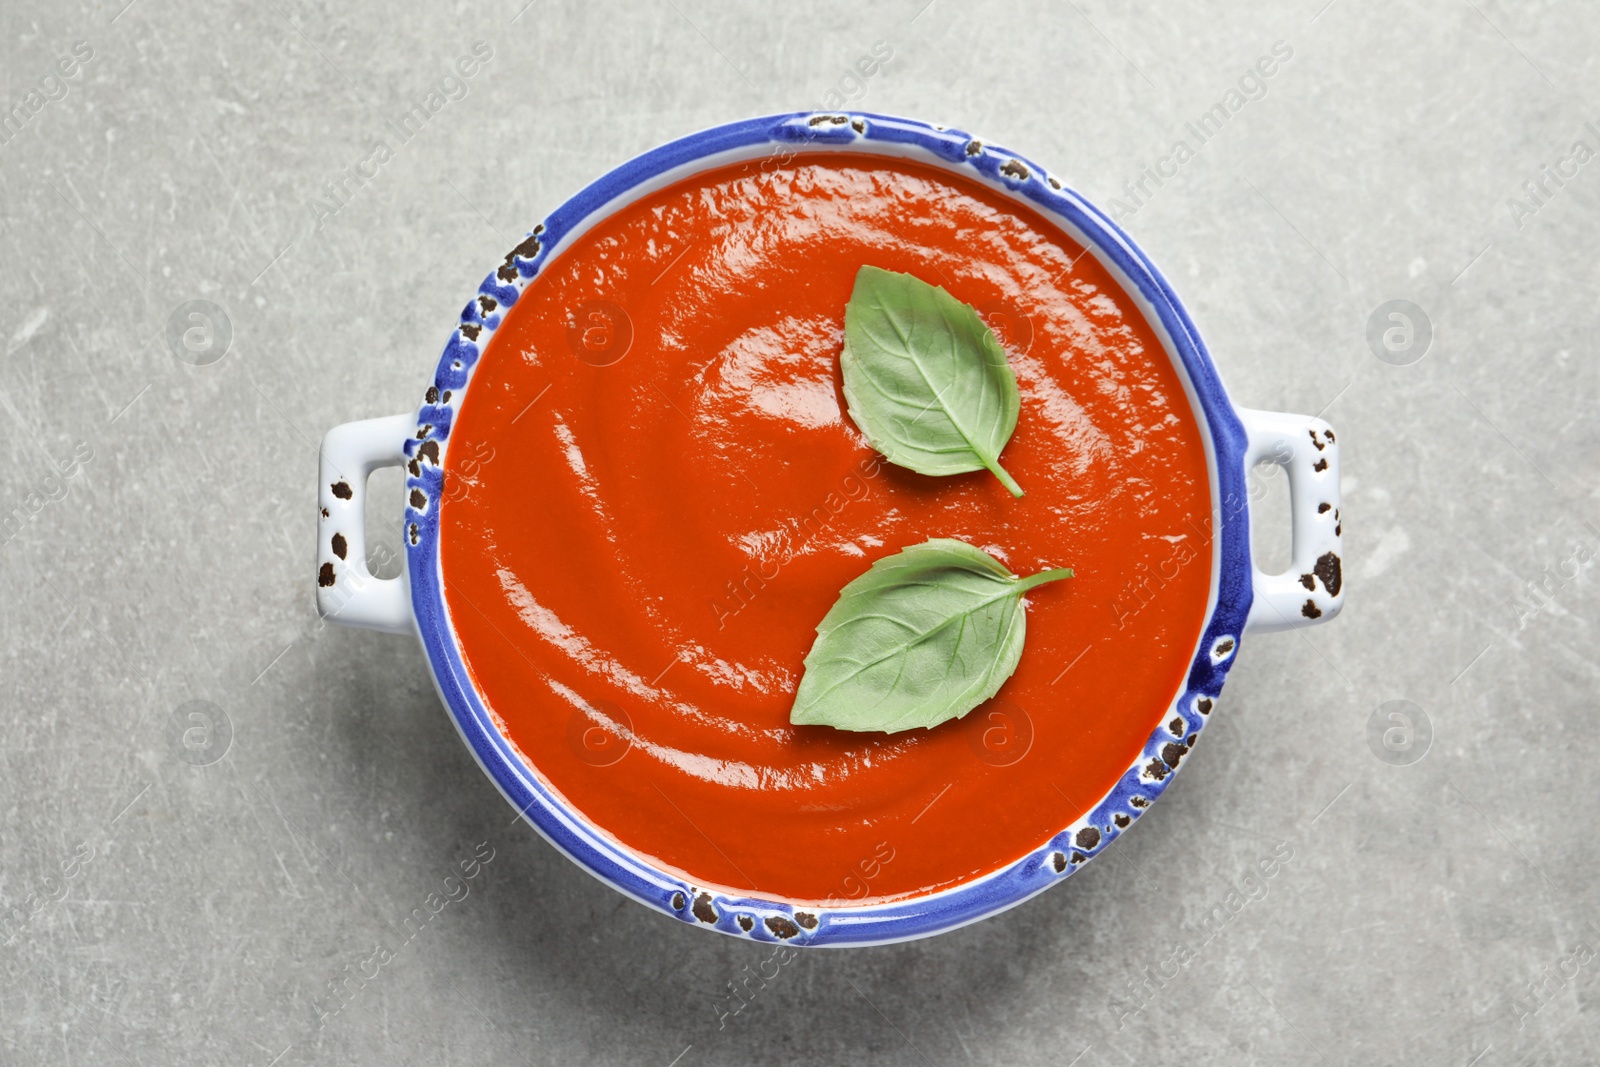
(653, 495)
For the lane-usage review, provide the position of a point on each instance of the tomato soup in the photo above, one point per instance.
(653, 493)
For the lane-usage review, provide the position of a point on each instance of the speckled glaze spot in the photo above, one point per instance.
(782, 927)
(1328, 570)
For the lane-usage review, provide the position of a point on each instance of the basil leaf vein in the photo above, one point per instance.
(925, 379)
(924, 636)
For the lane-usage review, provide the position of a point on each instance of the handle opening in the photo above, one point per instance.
(1271, 518)
(386, 501)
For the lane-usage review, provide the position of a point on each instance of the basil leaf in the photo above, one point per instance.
(924, 636)
(925, 379)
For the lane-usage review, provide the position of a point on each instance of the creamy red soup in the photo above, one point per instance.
(654, 493)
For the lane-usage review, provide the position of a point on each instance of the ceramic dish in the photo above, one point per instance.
(1242, 597)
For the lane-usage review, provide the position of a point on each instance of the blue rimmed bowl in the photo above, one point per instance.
(1244, 598)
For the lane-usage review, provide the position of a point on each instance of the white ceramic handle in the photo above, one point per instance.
(1312, 589)
(347, 593)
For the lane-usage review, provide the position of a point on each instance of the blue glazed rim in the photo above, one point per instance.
(773, 920)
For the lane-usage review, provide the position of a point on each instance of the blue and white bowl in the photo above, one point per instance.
(1244, 598)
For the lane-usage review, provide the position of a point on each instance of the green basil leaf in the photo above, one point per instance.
(924, 636)
(925, 379)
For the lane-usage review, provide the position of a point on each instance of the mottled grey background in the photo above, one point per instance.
(1436, 912)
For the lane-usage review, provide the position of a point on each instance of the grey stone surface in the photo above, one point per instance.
(1433, 912)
